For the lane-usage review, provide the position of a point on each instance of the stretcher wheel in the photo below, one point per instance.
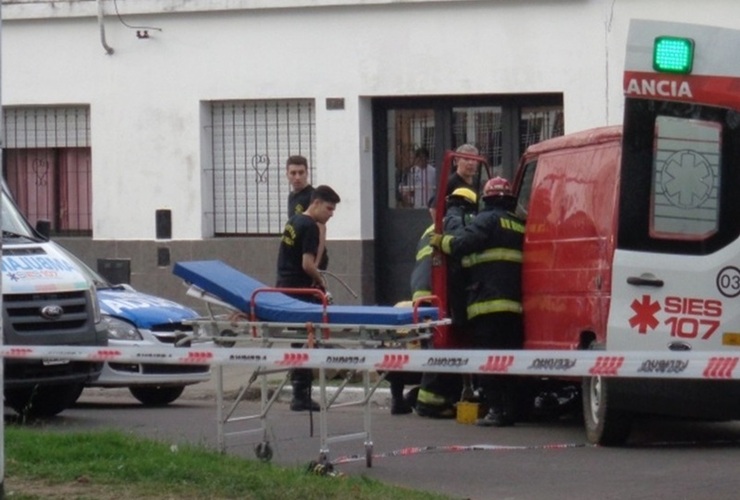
(263, 451)
(226, 343)
(369, 455)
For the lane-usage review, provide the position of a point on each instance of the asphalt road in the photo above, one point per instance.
(664, 459)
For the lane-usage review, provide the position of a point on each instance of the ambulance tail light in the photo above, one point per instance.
(673, 55)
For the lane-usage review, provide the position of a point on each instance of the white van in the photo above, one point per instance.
(47, 300)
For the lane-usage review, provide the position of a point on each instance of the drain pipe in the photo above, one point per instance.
(108, 48)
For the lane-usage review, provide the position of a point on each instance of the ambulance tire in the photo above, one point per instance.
(605, 426)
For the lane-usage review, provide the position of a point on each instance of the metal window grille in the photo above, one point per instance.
(250, 142)
(538, 124)
(46, 127)
(408, 131)
(482, 127)
(47, 164)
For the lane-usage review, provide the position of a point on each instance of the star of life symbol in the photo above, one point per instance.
(645, 311)
(687, 179)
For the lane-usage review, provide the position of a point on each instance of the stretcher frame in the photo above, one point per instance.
(238, 328)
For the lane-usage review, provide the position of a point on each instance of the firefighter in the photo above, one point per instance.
(440, 391)
(421, 286)
(490, 248)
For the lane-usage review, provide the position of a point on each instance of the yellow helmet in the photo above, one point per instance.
(465, 193)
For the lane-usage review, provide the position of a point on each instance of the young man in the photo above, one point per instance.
(297, 267)
(296, 170)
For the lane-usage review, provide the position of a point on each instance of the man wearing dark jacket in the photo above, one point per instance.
(440, 391)
(490, 248)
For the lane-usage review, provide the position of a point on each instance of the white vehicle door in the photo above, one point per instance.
(676, 274)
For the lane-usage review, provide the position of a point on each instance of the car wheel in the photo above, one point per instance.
(157, 395)
(605, 426)
(42, 401)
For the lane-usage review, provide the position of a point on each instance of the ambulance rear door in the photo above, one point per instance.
(676, 273)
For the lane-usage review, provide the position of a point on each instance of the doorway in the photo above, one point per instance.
(411, 136)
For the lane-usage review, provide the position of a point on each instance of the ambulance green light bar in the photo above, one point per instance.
(673, 55)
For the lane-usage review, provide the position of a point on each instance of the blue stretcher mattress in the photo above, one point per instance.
(235, 288)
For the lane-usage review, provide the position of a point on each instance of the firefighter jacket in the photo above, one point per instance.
(421, 276)
(490, 248)
(454, 222)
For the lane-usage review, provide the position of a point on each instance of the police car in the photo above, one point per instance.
(138, 319)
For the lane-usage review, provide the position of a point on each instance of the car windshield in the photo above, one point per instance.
(14, 225)
(100, 282)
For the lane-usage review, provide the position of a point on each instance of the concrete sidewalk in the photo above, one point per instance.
(234, 377)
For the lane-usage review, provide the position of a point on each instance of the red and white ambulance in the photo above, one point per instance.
(632, 232)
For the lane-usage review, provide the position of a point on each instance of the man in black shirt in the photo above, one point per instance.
(466, 170)
(297, 267)
(296, 170)
(465, 174)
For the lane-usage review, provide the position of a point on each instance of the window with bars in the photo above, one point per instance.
(47, 165)
(411, 156)
(540, 123)
(250, 143)
(482, 127)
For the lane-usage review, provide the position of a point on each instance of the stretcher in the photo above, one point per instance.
(268, 317)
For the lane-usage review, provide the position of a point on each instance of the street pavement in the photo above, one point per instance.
(533, 460)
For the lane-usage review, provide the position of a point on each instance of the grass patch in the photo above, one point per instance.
(113, 465)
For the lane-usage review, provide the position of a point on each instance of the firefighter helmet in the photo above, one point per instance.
(465, 194)
(497, 186)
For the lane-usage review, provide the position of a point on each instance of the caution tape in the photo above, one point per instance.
(418, 450)
(550, 363)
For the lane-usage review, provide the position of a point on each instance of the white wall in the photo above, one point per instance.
(146, 97)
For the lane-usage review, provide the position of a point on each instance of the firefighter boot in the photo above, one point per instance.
(301, 381)
(429, 404)
(399, 406)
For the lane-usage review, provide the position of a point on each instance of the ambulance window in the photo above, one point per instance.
(686, 178)
(525, 190)
(679, 181)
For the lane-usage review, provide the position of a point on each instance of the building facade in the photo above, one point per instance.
(152, 131)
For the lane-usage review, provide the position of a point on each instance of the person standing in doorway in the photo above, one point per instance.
(420, 181)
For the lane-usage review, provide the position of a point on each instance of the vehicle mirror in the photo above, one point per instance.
(43, 227)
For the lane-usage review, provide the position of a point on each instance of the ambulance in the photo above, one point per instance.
(631, 239)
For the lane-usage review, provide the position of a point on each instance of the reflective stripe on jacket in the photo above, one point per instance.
(421, 276)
